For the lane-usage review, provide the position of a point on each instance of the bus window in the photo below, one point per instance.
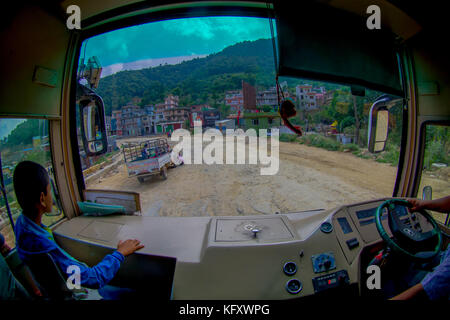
(218, 73)
(435, 166)
(20, 140)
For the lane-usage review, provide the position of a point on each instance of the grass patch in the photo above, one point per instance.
(351, 147)
(285, 137)
(390, 155)
(319, 141)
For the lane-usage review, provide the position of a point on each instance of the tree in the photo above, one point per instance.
(23, 134)
(224, 110)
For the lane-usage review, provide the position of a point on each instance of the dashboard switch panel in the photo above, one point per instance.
(329, 281)
(323, 262)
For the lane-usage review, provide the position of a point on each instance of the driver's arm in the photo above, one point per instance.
(440, 205)
(412, 292)
(436, 284)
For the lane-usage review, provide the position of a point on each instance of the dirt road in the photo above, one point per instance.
(308, 178)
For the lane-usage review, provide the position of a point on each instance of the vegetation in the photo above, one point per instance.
(23, 134)
(198, 81)
(201, 80)
(390, 155)
(320, 141)
(437, 146)
(285, 137)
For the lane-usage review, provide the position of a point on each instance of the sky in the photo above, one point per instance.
(171, 41)
(8, 125)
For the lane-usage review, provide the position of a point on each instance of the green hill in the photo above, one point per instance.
(201, 80)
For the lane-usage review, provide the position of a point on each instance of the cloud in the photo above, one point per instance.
(146, 63)
(238, 28)
(119, 49)
(191, 27)
(116, 42)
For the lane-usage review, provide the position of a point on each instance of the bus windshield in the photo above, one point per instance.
(210, 83)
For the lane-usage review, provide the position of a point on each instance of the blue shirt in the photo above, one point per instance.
(437, 283)
(32, 239)
(10, 288)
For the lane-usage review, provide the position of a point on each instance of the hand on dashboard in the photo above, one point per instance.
(129, 246)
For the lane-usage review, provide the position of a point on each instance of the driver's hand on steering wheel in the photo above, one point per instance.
(439, 205)
(417, 204)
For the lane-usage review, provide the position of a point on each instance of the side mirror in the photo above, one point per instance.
(379, 123)
(93, 128)
(427, 193)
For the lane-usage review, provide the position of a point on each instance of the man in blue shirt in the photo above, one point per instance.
(436, 284)
(33, 192)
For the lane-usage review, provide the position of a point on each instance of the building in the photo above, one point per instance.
(160, 107)
(249, 96)
(200, 107)
(178, 114)
(176, 118)
(148, 120)
(210, 117)
(116, 122)
(168, 126)
(36, 141)
(131, 120)
(267, 98)
(168, 116)
(158, 117)
(235, 100)
(309, 98)
(147, 124)
(171, 101)
(261, 120)
(196, 119)
(108, 125)
(302, 96)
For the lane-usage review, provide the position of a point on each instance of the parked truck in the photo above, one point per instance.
(147, 158)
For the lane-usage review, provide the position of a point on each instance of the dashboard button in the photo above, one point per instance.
(294, 286)
(326, 227)
(352, 243)
(290, 268)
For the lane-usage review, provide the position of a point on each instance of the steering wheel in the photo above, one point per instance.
(408, 237)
